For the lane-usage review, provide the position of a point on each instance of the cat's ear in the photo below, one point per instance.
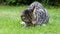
(32, 9)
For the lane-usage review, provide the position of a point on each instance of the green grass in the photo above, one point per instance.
(10, 21)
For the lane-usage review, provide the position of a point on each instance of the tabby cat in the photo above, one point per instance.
(35, 14)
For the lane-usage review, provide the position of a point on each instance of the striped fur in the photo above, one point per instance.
(35, 14)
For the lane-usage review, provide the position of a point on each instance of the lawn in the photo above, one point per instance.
(10, 21)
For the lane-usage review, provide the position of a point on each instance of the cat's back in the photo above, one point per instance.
(36, 4)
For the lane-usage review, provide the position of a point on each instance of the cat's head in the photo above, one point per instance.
(26, 15)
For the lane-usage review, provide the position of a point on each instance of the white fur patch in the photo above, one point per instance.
(23, 23)
(44, 25)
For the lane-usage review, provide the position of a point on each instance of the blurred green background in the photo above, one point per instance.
(27, 2)
(10, 20)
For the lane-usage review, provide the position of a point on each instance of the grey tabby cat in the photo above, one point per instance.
(35, 14)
